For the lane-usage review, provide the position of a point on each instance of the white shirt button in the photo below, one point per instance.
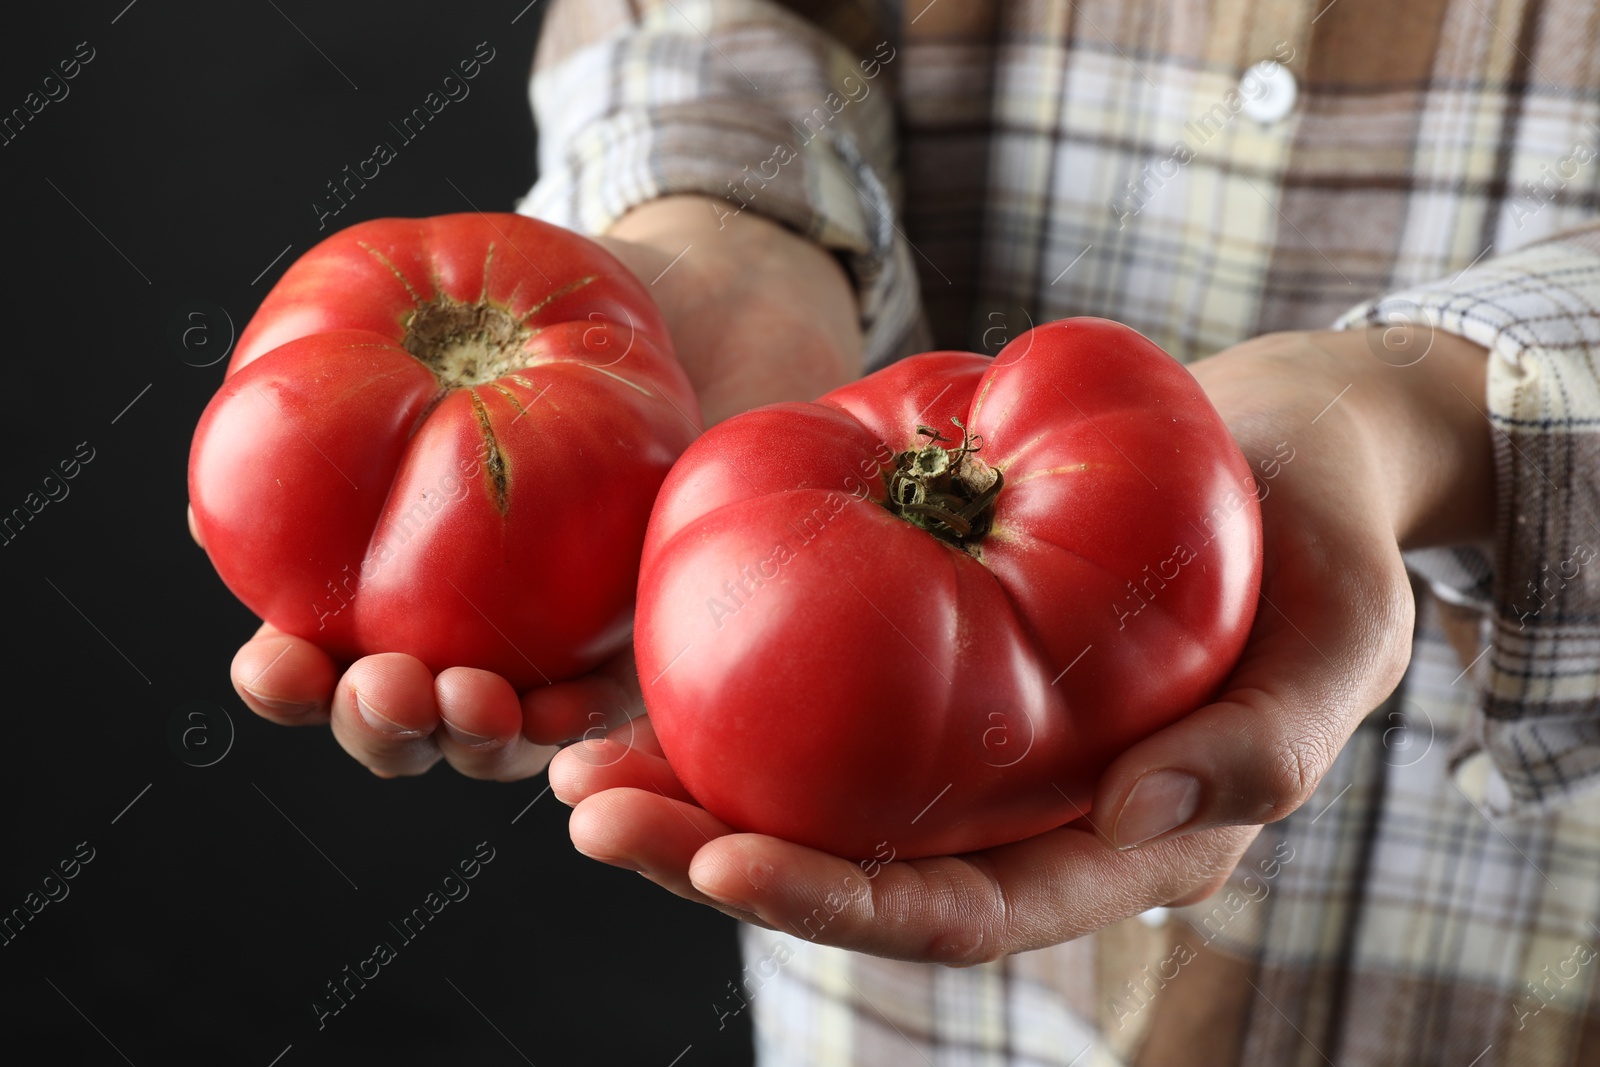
(1269, 91)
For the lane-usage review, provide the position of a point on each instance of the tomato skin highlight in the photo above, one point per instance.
(479, 503)
(820, 669)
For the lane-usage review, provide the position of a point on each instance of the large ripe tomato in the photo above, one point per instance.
(443, 437)
(851, 633)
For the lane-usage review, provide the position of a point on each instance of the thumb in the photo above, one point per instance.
(1258, 752)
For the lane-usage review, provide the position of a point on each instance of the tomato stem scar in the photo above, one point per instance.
(949, 492)
(465, 344)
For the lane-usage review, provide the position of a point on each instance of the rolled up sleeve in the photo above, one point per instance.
(1537, 312)
(738, 99)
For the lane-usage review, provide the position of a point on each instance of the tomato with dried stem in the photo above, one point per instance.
(443, 437)
(930, 608)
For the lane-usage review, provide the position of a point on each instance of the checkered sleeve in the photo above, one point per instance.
(743, 100)
(1537, 311)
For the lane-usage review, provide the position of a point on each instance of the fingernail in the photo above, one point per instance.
(375, 720)
(462, 737)
(612, 861)
(735, 906)
(726, 899)
(282, 707)
(1161, 802)
(758, 876)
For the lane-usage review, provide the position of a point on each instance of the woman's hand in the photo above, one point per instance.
(757, 315)
(1354, 459)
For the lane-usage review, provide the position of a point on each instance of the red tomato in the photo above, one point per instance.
(853, 635)
(443, 437)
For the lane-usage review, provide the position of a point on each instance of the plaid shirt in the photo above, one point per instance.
(980, 166)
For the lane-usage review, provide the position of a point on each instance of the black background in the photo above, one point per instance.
(220, 899)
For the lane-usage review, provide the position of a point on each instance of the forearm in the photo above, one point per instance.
(1416, 432)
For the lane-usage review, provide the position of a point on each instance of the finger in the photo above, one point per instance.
(654, 835)
(482, 720)
(1258, 753)
(584, 706)
(638, 733)
(194, 531)
(960, 910)
(627, 758)
(285, 679)
(385, 715)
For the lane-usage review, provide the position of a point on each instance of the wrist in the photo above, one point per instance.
(757, 313)
(671, 223)
(1402, 411)
(666, 219)
(1420, 396)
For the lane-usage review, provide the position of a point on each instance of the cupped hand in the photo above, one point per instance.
(396, 717)
(389, 711)
(756, 315)
(631, 811)
(1354, 457)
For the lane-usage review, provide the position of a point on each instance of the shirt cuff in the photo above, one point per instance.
(813, 151)
(1537, 312)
